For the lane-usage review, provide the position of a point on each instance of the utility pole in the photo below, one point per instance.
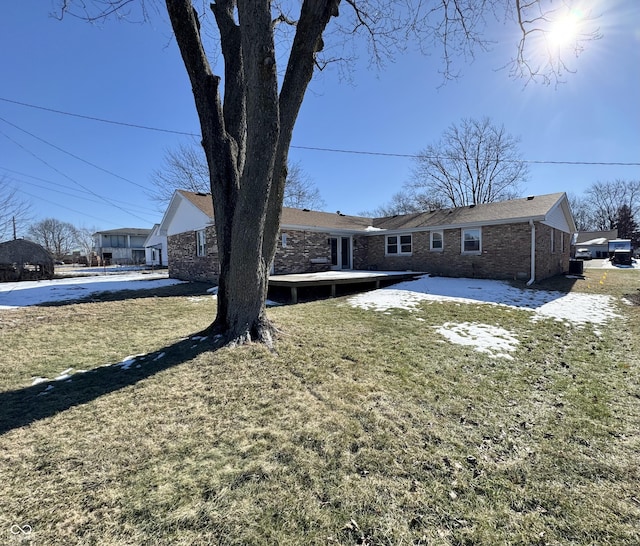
(13, 218)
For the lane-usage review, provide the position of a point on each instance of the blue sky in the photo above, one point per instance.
(133, 73)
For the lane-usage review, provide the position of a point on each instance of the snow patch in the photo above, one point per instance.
(573, 308)
(27, 293)
(492, 340)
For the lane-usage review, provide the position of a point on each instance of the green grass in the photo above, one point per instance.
(364, 428)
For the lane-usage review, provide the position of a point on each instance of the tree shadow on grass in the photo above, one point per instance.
(174, 290)
(25, 406)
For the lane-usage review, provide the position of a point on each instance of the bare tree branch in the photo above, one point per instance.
(14, 211)
(475, 162)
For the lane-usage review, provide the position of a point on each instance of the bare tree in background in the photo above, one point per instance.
(299, 190)
(57, 237)
(15, 213)
(606, 198)
(474, 162)
(186, 169)
(582, 212)
(406, 201)
(85, 242)
(247, 127)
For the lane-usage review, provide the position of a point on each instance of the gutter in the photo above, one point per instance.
(533, 253)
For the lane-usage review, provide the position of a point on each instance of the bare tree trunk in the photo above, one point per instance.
(246, 143)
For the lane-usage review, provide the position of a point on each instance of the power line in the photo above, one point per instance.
(71, 179)
(73, 155)
(316, 148)
(6, 169)
(420, 156)
(101, 120)
(67, 208)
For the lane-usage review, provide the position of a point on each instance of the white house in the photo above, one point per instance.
(155, 248)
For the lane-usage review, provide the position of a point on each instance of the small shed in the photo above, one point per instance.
(22, 260)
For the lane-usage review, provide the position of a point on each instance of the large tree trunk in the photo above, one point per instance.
(246, 143)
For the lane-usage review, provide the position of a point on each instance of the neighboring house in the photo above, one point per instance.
(121, 246)
(155, 248)
(22, 260)
(596, 241)
(526, 239)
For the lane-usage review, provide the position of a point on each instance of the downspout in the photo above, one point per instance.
(533, 253)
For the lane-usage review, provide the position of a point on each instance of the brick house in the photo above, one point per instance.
(527, 239)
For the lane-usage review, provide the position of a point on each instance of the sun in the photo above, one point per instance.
(565, 30)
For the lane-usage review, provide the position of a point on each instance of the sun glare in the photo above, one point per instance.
(565, 30)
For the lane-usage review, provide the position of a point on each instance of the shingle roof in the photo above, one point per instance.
(591, 236)
(201, 200)
(333, 220)
(536, 207)
(290, 216)
(515, 210)
(135, 232)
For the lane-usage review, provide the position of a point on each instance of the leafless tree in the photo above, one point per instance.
(474, 162)
(299, 190)
(247, 127)
(85, 242)
(406, 201)
(582, 212)
(15, 212)
(185, 168)
(606, 198)
(57, 237)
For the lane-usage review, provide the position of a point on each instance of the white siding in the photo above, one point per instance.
(184, 217)
(557, 219)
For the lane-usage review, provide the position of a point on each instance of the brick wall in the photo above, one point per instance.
(302, 247)
(183, 262)
(506, 254)
(550, 263)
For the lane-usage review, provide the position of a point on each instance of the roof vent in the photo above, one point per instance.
(306, 210)
(472, 205)
(530, 197)
(339, 213)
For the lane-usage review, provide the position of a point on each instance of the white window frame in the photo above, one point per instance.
(201, 243)
(398, 244)
(284, 240)
(431, 247)
(462, 241)
(553, 240)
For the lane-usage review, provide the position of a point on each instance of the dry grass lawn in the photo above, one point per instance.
(365, 428)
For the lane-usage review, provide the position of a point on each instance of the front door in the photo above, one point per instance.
(340, 252)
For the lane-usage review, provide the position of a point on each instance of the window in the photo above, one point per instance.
(472, 240)
(436, 240)
(284, 240)
(201, 243)
(399, 244)
(553, 240)
(115, 241)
